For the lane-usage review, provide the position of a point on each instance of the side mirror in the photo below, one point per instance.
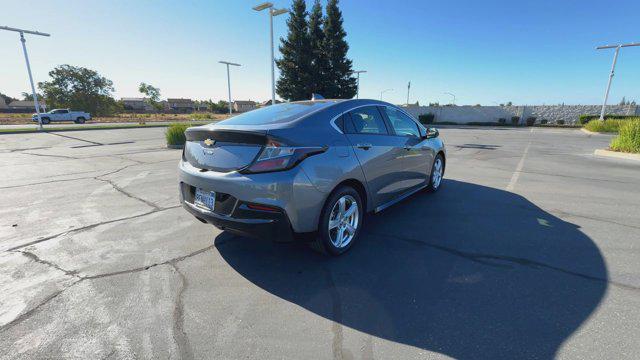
(432, 133)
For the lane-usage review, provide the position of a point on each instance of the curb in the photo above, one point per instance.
(616, 154)
(175, 146)
(596, 133)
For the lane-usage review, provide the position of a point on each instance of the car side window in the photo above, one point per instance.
(64, 111)
(365, 120)
(401, 123)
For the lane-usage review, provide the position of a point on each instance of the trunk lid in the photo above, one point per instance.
(222, 150)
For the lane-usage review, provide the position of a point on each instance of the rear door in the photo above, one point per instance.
(418, 156)
(378, 152)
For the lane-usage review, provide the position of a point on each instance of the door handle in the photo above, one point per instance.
(364, 146)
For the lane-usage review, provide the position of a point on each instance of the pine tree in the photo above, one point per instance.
(340, 81)
(319, 65)
(295, 65)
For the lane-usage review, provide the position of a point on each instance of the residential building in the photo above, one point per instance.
(27, 105)
(136, 104)
(201, 106)
(243, 105)
(268, 102)
(180, 105)
(3, 104)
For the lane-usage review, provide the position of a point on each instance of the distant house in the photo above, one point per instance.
(243, 105)
(201, 106)
(3, 104)
(180, 105)
(268, 102)
(136, 104)
(27, 105)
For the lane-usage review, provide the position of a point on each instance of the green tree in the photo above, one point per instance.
(29, 96)
(152, 93)
(295, 65)
(79, 88)
(7, 99)
(319, 64)
(341, 84)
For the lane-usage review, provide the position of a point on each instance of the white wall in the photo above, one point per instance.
(551, 113)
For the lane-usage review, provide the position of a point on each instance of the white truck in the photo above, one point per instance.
(79, 117)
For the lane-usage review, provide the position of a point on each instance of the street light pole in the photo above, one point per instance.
(272, 12)
(26, 58)
(229, 81)
(384, 91)
(613, 68)
(408, 90)
(454, 97)
(358, 72)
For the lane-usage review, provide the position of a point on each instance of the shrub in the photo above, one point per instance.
(607, 126)
(531, 120)
(515, 120)
(502, 121)
(584, 119)
(175, 134)
(629, 138)
(202, 116)
(426, 118)
(560, 122)
(544, 121)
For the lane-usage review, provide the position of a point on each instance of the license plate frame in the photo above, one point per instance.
(205, 199)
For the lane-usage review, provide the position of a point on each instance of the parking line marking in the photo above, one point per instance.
(516, 173)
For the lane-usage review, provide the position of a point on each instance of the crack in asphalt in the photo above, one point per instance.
(80, 278)
(54, 156)
(179, 334)
(88, 227)
(485, 259)
(128, 194)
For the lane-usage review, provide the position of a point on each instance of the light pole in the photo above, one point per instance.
(454, 97)
(408, 90)
(384, 91)
(358, 72)
(229, 80)
(272, 12)
(26, 58)
(613, 68)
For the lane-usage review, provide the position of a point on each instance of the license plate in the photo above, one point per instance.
(205, 199)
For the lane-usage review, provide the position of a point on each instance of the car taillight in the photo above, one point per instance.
(276, 156)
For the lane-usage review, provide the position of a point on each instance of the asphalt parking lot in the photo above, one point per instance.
(530, 250)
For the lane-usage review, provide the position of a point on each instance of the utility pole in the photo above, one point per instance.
(358, 72)
(26, 58)
(613, 68)
(408, 89)
(229, 81)
(384, 91)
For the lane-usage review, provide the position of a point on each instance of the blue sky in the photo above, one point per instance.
(487, 52)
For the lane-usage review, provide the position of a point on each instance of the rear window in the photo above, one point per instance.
(279, 113)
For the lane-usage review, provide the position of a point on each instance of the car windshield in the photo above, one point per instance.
(279, 113)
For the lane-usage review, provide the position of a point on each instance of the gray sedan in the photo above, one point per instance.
(308, 169)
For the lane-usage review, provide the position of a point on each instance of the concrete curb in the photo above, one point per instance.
(616, 154)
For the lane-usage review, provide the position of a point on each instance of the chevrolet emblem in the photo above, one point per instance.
(209, 142)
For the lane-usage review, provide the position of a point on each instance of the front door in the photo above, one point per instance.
(379, 153)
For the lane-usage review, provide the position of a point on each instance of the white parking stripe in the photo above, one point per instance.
(516, 173)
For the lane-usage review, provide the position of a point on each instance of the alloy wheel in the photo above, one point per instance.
(343, 221)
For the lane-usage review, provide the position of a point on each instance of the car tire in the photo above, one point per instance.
(437, 174)
(337, 233)
(45, 120)
(80, 120)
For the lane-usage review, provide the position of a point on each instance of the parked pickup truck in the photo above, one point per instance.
(79, 117)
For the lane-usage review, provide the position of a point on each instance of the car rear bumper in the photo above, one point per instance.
(297, 200)
(273, 225)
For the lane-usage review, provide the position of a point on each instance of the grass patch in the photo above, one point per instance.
(629, 138)
(608, 125)
(175, 134)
